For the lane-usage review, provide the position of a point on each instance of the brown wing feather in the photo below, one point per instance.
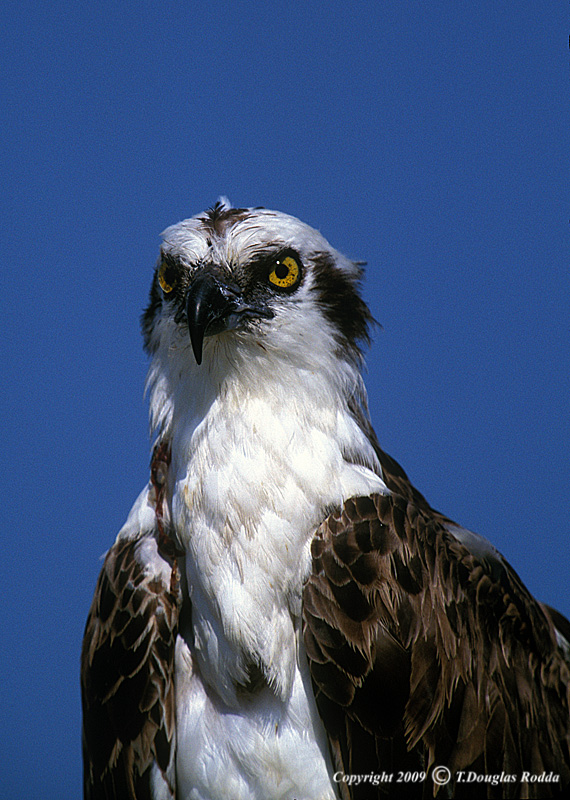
(127, 666)
(423, 654)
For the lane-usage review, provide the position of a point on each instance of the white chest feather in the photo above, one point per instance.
(253, 475)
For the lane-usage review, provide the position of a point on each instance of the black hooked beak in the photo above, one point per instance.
(214, 304)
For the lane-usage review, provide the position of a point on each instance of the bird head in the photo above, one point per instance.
(254, 276)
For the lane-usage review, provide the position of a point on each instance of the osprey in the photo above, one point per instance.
(283, 614)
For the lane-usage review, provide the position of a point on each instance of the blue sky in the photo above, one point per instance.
(429, 139)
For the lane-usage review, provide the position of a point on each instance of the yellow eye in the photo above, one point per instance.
(286, 272)
(166, 277)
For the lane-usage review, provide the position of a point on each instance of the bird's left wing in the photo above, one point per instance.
(127, 665)
(426, 650)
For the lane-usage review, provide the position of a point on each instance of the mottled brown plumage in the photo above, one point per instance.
(423, 654)
(127, 667)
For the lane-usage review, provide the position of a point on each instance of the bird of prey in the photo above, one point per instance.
(283, 615)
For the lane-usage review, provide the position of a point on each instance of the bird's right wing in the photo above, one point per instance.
(127, 668)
